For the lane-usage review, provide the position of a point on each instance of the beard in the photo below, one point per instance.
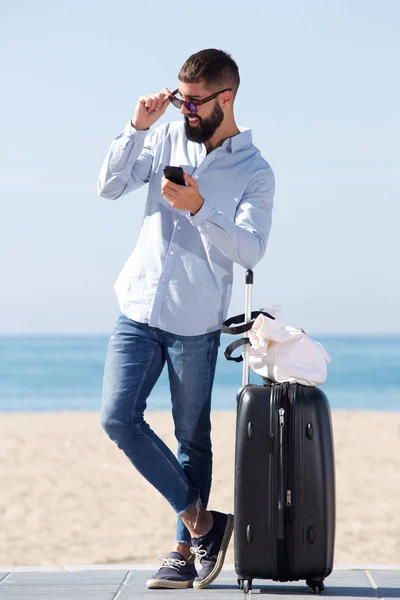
(206, 127)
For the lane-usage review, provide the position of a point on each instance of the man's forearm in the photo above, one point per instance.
(243, 245)
(118, 175)
(244, 238)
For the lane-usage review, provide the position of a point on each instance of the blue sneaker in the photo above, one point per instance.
(174, 573)
(211, 549)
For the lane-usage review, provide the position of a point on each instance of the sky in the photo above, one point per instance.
(321, 92)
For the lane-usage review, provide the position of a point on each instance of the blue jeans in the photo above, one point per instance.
(136, 356)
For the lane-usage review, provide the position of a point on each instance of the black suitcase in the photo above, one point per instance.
(284, 479)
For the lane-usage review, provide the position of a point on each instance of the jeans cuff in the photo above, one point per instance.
(193, 503)
(187, 543)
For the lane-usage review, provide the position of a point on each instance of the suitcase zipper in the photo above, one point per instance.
(280, 541)
(285, 489)
(281, 480)
(290, 458)
(290, 465)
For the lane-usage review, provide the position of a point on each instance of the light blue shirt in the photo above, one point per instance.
(179, 276)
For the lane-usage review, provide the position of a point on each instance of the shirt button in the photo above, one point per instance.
(163, 279)
(179, 227)
(196, 176)
(172, 253)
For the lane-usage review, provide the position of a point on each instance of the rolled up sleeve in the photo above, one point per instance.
(127, 165)
(244, 238)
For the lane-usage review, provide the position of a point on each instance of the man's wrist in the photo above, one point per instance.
(203, 214)
(139, 128)
(200, 207)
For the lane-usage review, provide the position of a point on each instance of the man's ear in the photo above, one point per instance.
(227, 99)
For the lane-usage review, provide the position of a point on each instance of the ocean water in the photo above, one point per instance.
(65, 373)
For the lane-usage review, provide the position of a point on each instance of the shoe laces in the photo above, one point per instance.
(198, 552)
(172, 563)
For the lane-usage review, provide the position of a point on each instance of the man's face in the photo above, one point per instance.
(200, 126)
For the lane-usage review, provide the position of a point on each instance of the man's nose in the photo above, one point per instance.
(185, 111)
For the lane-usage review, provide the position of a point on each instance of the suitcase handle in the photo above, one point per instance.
(247, 315)
(247, 319)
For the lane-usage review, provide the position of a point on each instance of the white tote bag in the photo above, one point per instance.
(283, 353)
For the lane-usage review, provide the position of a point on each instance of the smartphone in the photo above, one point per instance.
(175, 174)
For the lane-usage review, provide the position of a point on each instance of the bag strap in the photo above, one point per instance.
(232, 347)
(226, 325)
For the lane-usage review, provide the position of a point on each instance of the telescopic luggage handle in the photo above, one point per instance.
(247, 316)
(245, 322)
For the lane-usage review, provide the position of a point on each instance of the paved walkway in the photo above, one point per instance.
(127, 582)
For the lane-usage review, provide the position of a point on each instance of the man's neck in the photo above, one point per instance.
(223, 133)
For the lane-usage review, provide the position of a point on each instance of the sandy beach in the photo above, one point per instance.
(69, 496)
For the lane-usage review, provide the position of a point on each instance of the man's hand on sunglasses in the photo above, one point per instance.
(182, 197)
(149, 109)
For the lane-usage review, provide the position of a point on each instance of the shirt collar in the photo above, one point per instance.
(242, 139)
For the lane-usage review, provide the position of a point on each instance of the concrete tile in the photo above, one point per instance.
(107, 582)
(387, 582)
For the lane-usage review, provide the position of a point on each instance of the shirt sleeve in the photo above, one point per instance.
(244, 239)
(128, 163)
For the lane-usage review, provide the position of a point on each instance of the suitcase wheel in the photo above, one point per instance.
(316, 584)
(247, 586)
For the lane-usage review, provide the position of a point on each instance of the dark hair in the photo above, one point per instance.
(215, 68)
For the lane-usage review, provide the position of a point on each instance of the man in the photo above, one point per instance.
(175, 289)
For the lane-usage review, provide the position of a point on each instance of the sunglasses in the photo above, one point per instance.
(192, 106)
